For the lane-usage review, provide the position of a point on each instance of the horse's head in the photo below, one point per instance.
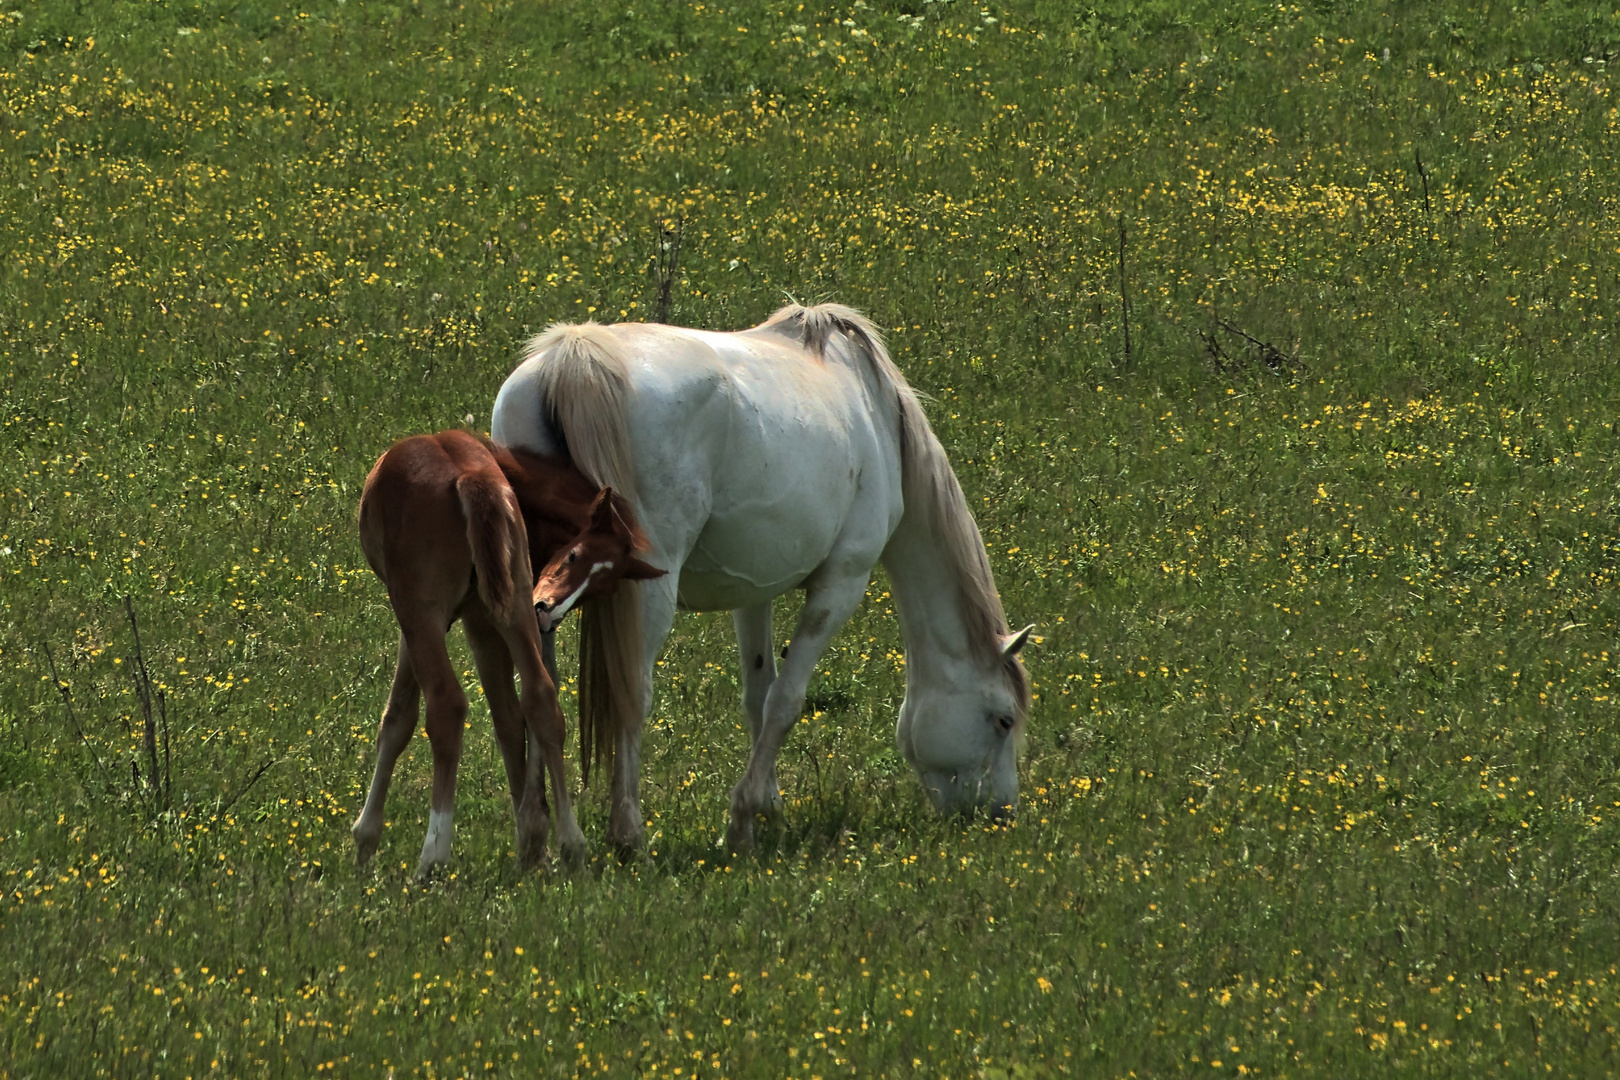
(592, 564)
(960, 728)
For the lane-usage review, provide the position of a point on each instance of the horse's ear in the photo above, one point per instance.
(637, 570)
(1013, 645)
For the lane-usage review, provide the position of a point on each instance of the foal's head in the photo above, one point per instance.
(592, 564)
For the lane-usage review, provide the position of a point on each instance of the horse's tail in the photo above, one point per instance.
(583, 382)
(928, 483)
(496, 536)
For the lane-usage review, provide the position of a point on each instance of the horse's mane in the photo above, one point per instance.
(583, 382)
(929, 485)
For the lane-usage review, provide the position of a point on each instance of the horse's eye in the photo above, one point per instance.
(572, 555)
(1004, 723)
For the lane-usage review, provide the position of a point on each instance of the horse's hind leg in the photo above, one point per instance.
(494, 663)
(624, 815)
(548, 652)
(446, 722)
(756, 645)
(393, 735)
(828, 604)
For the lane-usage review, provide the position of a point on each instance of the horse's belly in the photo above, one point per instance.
(706, 591)
(744, 559)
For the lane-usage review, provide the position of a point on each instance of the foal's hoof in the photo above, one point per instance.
(740, 835)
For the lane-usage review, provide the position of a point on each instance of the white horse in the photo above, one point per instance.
(792, 455)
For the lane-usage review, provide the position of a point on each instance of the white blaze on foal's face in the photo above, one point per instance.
(566, 581)
(594, 564)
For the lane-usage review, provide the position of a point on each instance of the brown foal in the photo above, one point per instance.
(453, 525)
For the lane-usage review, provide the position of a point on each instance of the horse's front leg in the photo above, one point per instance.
(548, 733)
(756, 647)
(829, 601)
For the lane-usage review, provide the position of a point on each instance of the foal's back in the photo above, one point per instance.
(433, 507)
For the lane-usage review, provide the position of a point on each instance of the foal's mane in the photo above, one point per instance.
(929, 485)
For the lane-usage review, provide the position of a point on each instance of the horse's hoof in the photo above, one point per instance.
(627, 836)
(531, 840)
(427, 871)
(364, 848)
(532, 854)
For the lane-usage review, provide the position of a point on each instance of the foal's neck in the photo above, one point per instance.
(554, 496)
(550, 487)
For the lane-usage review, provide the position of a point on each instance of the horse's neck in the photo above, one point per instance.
(929, 596)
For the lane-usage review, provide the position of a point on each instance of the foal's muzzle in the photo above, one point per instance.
(543, 614)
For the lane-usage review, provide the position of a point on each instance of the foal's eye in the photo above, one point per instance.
(572, 555)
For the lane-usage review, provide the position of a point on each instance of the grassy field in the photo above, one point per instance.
(1322, 775)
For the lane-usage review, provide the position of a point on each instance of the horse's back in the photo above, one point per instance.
(755, 459)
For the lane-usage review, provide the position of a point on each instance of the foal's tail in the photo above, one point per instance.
(496, 536)
(583, 383)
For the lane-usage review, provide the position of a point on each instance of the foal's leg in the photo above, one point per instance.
(494, 664)
(446, 722)
(758, 665)
(393, 735)
(547, 730)
(829, 601)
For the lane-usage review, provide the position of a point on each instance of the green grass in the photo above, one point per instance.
(1321, 779)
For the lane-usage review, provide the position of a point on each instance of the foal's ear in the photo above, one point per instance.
(602, 512)
(637, 570)
(1013, 645)
(622, 528)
